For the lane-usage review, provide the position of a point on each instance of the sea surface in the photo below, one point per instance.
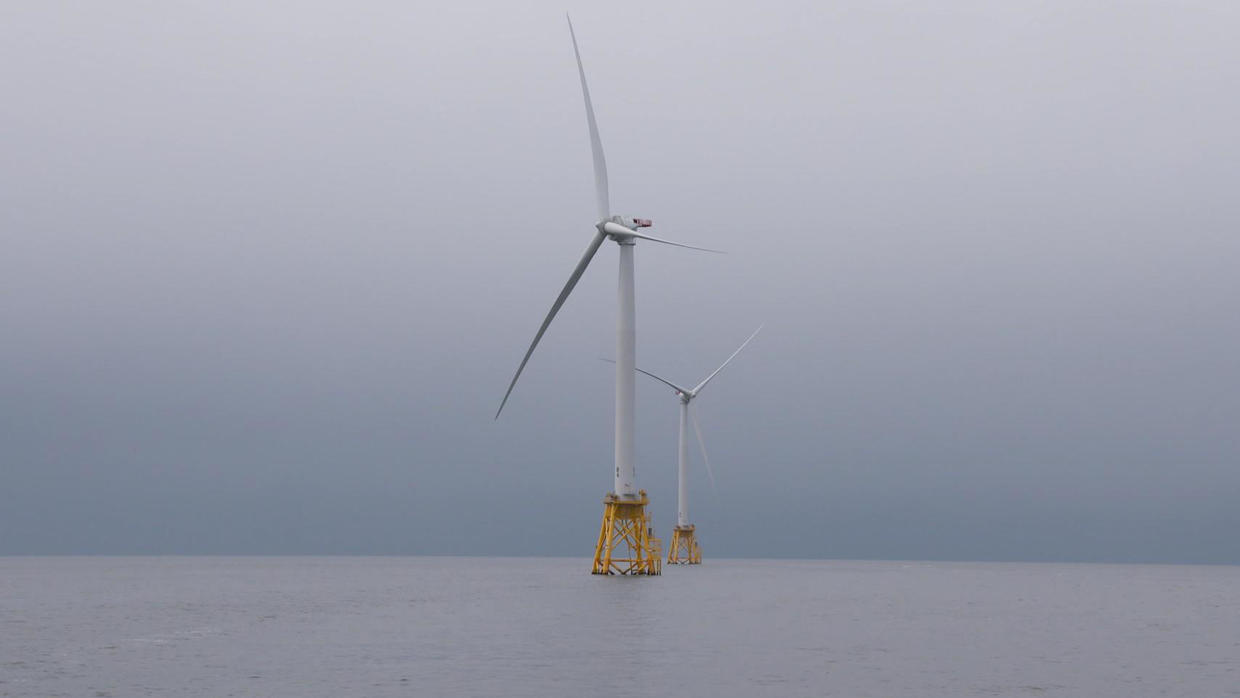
(443, 626)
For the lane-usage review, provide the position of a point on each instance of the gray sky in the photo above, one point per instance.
(266, 273)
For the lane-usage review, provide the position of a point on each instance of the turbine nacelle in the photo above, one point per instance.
(630, 223)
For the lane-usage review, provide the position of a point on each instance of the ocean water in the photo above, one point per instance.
(433, 626)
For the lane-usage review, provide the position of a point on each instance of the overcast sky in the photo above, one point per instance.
(267, 270)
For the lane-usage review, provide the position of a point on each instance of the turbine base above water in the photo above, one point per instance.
(684, 549)
(626, 541)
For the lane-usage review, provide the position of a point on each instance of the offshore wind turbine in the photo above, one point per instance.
(626, 525)
(684, 549)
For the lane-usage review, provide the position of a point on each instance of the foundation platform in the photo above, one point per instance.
(684, 549)
(626, 541)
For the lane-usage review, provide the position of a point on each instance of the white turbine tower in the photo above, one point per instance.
(684, 548)
(625, 522)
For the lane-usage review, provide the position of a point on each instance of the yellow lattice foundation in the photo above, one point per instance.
(684, 550)
(626, 543)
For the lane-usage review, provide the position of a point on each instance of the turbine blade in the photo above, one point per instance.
(725, 363)
(555, 308)
(652, 238)
(668, 383)
(619, 231)
(596, 143)
(697, 429)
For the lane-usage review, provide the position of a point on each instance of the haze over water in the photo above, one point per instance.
(268, 267)
(539, 627)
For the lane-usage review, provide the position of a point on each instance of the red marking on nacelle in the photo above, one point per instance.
(642, 222)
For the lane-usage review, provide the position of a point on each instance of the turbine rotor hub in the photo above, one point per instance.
(630, 225)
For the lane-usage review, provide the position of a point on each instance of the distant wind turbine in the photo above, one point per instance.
(684, 548)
